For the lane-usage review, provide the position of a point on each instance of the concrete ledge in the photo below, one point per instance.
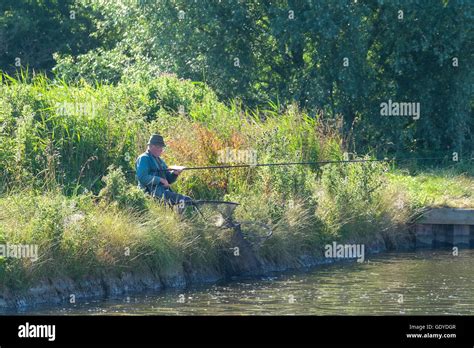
(447, 216)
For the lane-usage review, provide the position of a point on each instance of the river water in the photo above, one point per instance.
(410, 283)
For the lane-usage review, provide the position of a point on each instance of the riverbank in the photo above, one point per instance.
(108, 251)
(61, 291)
(340, 288)
(67, 188)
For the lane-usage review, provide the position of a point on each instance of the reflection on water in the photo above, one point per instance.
(428, 282)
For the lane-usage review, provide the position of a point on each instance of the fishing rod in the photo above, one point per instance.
(252, 165)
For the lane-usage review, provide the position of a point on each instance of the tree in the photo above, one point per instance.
(32, 30)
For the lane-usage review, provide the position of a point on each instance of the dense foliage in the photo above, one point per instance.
(339, 59)
(84, 83)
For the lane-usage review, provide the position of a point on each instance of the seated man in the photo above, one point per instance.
(153, 175)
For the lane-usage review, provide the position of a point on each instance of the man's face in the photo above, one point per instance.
(156, 150)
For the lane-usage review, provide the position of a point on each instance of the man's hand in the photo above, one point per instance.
(165, 182)
(176, 169)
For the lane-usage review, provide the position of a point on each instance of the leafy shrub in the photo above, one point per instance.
(349, 198)
(118, 192)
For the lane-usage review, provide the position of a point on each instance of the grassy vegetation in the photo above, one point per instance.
(435, 188)
(67, 181)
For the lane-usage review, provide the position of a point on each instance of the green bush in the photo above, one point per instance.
(118, 192)
(350, 196)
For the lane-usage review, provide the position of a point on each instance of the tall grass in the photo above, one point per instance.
(67, 157)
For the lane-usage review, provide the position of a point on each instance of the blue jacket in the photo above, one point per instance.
(149, 171)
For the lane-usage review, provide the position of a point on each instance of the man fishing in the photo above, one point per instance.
(153, 175)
